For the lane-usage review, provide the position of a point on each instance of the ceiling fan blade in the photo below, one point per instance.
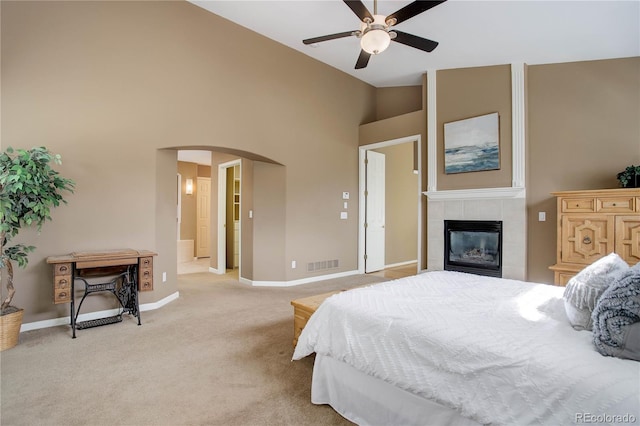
(363, 60)
(413, 9)
(327, 37)
(359, 9)
(415, 41)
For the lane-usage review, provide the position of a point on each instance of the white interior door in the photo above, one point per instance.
(179, 205)
(375, 211)
(203, 207)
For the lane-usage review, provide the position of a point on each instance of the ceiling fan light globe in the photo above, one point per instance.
(375, 41)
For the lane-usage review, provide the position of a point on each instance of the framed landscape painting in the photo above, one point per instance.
(472, 145)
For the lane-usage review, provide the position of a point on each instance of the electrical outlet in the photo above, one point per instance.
(542, 216)
(164, 277)
(293, 264)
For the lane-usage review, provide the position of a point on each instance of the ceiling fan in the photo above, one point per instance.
(375, 31)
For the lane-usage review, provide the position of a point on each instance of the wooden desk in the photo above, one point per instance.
(135, 271)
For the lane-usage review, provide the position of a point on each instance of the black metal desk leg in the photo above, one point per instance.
(73, 304)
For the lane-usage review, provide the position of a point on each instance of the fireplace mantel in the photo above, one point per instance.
(474, 194)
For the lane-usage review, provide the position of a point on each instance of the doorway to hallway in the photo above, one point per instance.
(390, 205)
(229, 218)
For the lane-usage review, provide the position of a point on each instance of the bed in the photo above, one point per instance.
(455, 348)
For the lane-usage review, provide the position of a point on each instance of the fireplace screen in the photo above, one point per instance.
(473, 246)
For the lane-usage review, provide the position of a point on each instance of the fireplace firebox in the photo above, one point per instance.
(473, 246)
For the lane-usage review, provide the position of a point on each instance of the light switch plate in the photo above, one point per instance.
(343, 215)
(345, 195)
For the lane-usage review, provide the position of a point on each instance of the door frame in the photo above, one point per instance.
(362, 202)
(222, 213)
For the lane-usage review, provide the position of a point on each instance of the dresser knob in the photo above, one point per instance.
(586, 240)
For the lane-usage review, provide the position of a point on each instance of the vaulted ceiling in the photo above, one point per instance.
(470, 33)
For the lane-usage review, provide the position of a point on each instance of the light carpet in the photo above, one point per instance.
(219, 355)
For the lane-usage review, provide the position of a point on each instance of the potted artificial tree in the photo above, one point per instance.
(29, 188)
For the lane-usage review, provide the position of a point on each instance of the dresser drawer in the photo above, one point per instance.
(562, 278)
(615, 204)
(578, 205)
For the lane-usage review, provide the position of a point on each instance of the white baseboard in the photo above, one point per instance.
(296, 282)
(95, 315)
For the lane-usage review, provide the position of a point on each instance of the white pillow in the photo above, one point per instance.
(583, 290)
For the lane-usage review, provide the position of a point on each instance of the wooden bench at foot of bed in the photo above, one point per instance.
(303, 309)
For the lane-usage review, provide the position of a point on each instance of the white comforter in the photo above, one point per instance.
(499, 351)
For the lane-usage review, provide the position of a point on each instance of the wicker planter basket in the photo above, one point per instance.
(10, 329)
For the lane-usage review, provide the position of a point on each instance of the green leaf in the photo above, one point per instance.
(29, 188)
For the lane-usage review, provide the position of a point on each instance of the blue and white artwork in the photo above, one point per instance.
(471, 145)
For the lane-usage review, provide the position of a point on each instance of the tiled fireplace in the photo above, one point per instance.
(511, 212)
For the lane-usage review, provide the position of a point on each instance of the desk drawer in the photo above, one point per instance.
(61, 289)
(146, 262)
(62, 269)
(145, 274)
(62, 295)
(62, 283)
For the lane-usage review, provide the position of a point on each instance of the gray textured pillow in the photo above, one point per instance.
(584, 289)
(616, 318)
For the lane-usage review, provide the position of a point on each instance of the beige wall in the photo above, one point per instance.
(394, 101)
(470, 92)
(108, 85)
(584, 127)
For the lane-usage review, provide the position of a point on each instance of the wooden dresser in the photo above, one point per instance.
(592, 224)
